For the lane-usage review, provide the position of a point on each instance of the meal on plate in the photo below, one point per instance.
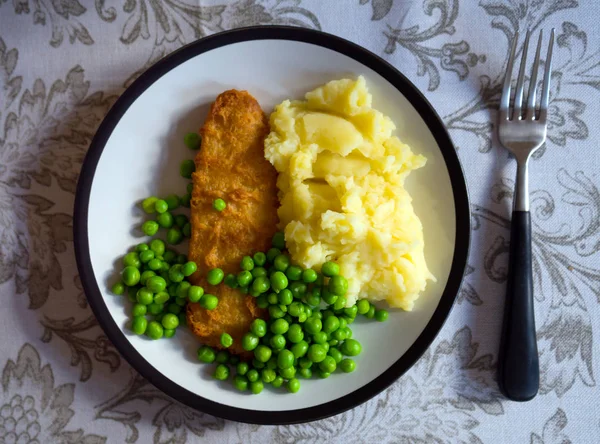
(277, 306)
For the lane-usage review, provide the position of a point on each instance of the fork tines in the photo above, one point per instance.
(530, 112)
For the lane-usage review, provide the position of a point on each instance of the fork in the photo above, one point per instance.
(521, 130)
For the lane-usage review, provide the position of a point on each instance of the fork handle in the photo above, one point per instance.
(518, 363)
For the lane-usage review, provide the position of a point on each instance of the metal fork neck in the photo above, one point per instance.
(521, 198)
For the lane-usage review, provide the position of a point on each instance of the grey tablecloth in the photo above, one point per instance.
(63, 63)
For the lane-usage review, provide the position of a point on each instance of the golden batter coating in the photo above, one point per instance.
(230, 166)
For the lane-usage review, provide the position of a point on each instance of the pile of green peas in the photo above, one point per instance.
(308, 332)
(155, 279)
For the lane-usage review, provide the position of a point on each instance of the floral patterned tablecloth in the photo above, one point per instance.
(64, 62)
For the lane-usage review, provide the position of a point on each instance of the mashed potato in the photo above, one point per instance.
(341, 188)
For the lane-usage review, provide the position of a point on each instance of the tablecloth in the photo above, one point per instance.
(64, 62)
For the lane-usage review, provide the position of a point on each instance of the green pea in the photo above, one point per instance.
(154, 330)
(182, 302)
(226, 340)
(323, 375)
(347, 365)
(285, 359)
(258, 327)
(335, 354)
(279, 326)
(173, 203)
(298, 289)
(138, 310)
(262, 301)
(305, 373)
(313, 297)
(174, 236)
(215, 276)
(231, 280)
(272, 254)
(139, 325)
(318, 315)
(161, 206)
(209, 301)
(279, 281)
(249, 341)
(132, 260)
(277, 342)
(180, 219)
(304, 362)
(330, 269)
(281, 262)
(247, 263)
(186, 168)
(156, 284)
(256, 387)
(262, 353)
(275, 312)
(206, 354)
(381, 315)
(245, 290)
(272, 362)
(294, 273)
(240, 382)
(165, 220)
(144, 296)
(285, 296)
(295, 308)
(192, 141)
(195, 293)
(222, 357)
(300, 348)
(288, 373)
(187, 230)
(351, 312)
(221, 372)
(328, 297)
(338, 285)
(242, 368)
(244, 278)
(313, 325)
(339, 334)
(258, 271)
(295, 333)
(158, 247)
(182, 289)
(181, 259)
(331, 324)
(351, 347)
(254, 292)
(316, 353)
(320, 337)
(219, 204)
(170, 321)
(185, 200)
(277, 382)
(363, 306)
(258, 364)
(279, 240)
(148, 204)
(339, 304)
(142, 247)
(161, 297)
(260, 259)
(309, 275)
(150, 228)
(268, 375)
(118, 288)
(273, 299)
(371, 313)
(261, 284)
(293, 385)
(252, 375)
(146, 256)
(155, 308)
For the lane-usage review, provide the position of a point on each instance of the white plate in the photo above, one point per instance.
(136, 153)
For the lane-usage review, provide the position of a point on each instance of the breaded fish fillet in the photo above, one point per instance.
(231, 166)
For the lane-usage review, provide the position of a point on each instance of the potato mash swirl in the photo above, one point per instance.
(341, 188)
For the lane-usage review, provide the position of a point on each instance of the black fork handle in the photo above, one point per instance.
(518, 364)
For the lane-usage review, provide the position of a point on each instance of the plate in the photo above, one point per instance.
(136, 153)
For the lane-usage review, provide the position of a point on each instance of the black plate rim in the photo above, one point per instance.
(459, 261)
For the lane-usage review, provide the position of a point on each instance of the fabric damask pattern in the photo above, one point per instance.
(64, 63)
